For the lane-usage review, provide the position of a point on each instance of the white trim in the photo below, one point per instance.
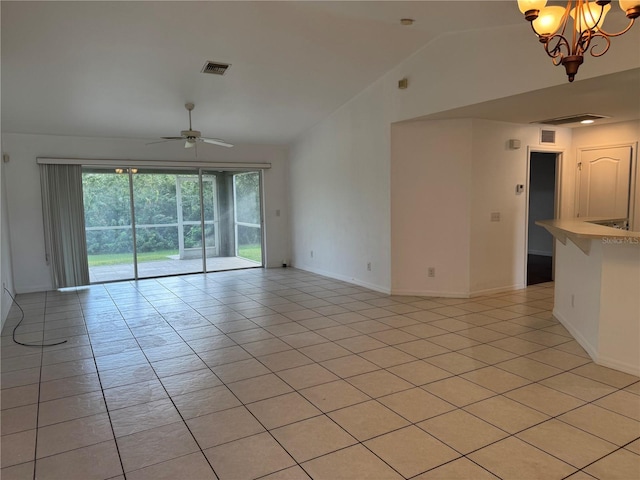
(491, 291)
(110, 162)
(590, 349)
(344, 278)
(430, 293)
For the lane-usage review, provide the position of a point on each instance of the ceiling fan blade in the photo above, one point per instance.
(189, 144)
(164, 141)
(172, 138)
(215, 141)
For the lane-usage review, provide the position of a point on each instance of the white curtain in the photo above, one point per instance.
(63, 211)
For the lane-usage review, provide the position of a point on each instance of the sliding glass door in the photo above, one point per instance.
(144, 223)
(108, 226)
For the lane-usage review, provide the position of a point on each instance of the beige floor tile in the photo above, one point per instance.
(393, 337)
(517, 345)
(127, 375)
(248, 458)
(233, 372)
(387, 357)
(134, 394)
(291, 473)
(283, 410)
(421, 348)
(307, 376)
(416, 404)
(338, 332)
(67, 387)
(259, 388)
(634, 447)
(19, 396)
(419, 372)
(283, 360)
(349, 366)
(512, 458)
(603, 423)
(222, 356)
(481, 334)
(23, 471)
(622, 402)
(544, 399)
(312, 438)
(18, 448)
(95, 462)
(529, 368)
(620, 465)
(558, 359)
(352, 462)
(635, 388)
(580, 387)
(203, 402)
(299, 340)
(453, 341)
(266, 347)
(19, 419)
(506, 414)
(461, 469)
(581, 475)
(567, 443)
(361, 343)
(462, 431)
(68, 408)
(606, 375)
(73, 434)
(458, 391)
(455, 363)
(369, 326)
(487, 354)
(411, 451)
(379, 383)
(367, 420)
(144, 416)
(155, 445)
(574, 348)
(333, 395)
(495, 379)
(193, 466)
(176, 366)
(424, 330)
(190, 382)
(223, 426)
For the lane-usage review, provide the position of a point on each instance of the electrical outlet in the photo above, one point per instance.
(369, 266)
(495, 216)
(311, 253)
(431, 272)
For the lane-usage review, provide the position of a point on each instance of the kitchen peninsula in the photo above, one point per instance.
(597, 289)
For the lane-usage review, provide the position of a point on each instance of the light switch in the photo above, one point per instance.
(519, 189)
(495, 216)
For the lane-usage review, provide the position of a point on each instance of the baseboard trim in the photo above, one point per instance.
(494, 290)
(345, 278)
(429, 293)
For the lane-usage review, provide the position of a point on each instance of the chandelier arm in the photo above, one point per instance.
(604, 50)
(621, 32)
(556, 52)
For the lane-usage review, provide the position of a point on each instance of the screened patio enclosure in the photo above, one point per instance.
(150, 222)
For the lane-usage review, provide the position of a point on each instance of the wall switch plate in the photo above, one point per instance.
(369, 266)
(311, 253)
(519, 189)
(431, 272)
(495, 216)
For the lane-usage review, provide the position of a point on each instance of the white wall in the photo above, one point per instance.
(6, 273)
(430, 207)
(613, 134)
(339, 184)
(30, 271)
(339, 177)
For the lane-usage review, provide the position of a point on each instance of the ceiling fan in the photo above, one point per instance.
(191, 137)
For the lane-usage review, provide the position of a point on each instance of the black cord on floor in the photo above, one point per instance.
(21, 319)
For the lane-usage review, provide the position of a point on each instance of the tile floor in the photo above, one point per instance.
(282, 374)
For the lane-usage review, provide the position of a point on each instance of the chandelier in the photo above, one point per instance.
(567, 44)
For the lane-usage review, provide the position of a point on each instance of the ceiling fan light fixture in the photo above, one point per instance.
(567, 33)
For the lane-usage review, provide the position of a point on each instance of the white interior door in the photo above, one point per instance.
(604, 179)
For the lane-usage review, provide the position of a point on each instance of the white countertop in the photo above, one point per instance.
(583, 228)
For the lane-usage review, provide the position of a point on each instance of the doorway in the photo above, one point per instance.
(542, 205)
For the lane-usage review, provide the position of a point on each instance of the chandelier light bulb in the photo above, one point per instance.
(548, 21)
(591, 17)
(631, 8)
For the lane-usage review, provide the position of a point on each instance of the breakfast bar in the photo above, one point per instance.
(597, 289)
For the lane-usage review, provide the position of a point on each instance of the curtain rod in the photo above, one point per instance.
(112, 163)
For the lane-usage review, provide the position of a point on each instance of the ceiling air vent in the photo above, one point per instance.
(572, 119)
(548, 136)
(215, 68)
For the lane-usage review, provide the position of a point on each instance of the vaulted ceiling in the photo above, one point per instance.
(126, 69)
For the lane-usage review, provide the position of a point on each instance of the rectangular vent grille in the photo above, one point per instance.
(548, 136)
(215, 68)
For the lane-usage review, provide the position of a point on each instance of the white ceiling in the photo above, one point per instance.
(126, 69)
